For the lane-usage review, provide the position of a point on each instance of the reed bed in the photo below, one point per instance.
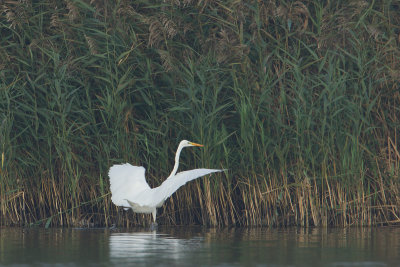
(298, 99)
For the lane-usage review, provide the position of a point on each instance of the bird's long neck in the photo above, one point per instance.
(175, 169)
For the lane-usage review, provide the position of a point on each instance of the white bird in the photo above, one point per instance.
(129, 188)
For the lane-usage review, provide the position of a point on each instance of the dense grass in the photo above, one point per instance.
(298, 99)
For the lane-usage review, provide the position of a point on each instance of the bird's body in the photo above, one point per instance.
(129, 188)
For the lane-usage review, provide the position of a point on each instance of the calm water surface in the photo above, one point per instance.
(188, 246)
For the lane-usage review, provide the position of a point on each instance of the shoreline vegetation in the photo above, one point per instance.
(299, 100)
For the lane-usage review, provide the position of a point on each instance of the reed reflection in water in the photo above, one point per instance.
(197, 246)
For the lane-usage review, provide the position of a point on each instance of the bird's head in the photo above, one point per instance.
(185, 143)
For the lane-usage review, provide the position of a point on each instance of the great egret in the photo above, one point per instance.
(129, 188)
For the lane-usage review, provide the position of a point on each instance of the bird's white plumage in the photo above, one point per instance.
(169, 186)
(126, 182)
(129, 187)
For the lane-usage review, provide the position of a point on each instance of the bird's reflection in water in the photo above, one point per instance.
(150, 248)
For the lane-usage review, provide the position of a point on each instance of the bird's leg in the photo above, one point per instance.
(153, 226)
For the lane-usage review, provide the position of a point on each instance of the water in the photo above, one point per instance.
(195, 246)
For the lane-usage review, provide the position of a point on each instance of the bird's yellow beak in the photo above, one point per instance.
(194, 144)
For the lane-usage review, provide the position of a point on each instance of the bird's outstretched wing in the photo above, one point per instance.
(169, 186)
(126, 182)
